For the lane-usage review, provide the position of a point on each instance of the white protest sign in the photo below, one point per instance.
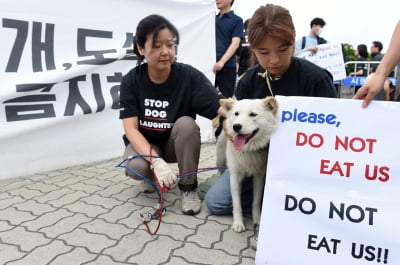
(330, 57)
(332, 193)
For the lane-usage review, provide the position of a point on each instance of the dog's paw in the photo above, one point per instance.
(238, 227)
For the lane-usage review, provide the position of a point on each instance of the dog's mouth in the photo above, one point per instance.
(241, 139)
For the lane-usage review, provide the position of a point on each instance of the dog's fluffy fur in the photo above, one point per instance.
(250, 122)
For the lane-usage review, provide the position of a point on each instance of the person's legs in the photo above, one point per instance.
(138, 164)
(218, 198)
(225, 80)
(138, 168)
(184, 146)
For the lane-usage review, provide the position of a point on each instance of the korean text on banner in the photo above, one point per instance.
(60, 75)
(333, 180)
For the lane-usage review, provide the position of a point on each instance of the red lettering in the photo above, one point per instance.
(355, 144)
(337, 167)
(315, 140)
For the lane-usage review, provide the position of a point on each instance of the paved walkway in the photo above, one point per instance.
(90, 214)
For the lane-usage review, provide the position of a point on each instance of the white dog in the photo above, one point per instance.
(250, 122)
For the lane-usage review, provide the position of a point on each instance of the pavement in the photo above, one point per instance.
(90, 214)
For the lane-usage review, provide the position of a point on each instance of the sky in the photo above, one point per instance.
(352, 21)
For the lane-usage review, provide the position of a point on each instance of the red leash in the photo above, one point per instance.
(159, 210)
(157, 213)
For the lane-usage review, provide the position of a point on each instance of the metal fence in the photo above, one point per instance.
(347, 86)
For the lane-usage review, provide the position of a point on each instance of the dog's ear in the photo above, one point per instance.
(226, 103)
(271, 104)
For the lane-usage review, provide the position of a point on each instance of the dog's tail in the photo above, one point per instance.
(220, 127)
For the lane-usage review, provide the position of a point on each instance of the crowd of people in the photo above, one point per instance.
(160, 97)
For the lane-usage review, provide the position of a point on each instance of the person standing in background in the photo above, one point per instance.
(375, 83)
(362, 55)
(361, 68)
(244, 53)
(228, 33)
(310, 41)
(376, 54)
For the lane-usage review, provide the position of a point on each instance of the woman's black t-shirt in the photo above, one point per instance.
(186, 92)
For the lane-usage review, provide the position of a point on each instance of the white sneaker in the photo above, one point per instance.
(191, 203)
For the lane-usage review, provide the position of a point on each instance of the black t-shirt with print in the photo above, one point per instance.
(303, 78)
(186, 92)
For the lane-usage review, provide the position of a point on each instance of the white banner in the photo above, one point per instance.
(330, 57)
(61, 65)
(332, 190)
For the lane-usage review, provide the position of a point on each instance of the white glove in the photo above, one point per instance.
(163, 172)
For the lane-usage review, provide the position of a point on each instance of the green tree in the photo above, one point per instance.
(348, 55)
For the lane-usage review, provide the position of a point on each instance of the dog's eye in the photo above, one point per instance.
(236, 113)
(252, 114)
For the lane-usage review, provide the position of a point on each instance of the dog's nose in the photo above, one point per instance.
(237, 127)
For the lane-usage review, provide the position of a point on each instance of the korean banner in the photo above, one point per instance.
(333, 180)
(61, 66)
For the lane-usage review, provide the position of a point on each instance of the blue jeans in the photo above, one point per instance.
(218, 198)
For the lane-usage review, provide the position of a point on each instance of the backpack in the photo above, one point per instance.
(319, 41)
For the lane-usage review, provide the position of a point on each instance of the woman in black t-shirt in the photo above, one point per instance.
(159, 101)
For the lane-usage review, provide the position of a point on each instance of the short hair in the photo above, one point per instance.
(151, 24)
(246, 23)
(232, 2)
(271, 21)
(317, 21)
(378, 45)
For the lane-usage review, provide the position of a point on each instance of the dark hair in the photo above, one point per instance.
(246, 24)
(151, 24)
(362, 50)
(273, 21)
(378, 45)
(317, 21)
(232, 2)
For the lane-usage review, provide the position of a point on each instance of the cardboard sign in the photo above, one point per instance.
(332, 193)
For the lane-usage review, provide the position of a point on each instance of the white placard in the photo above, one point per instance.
(330, 57)
(333, 180)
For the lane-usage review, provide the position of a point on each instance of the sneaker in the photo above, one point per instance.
(191, 203)
(254, 238)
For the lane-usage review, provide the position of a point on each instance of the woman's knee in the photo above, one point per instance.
(137, 167)
(218, 198)
(217, 205)
(186, 126)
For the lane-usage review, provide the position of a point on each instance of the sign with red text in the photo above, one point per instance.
(332, 194)
(330, 57)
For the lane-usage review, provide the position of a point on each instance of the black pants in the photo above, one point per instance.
(183, 147)
(225, 80)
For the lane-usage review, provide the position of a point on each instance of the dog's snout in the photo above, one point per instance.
(237, 127)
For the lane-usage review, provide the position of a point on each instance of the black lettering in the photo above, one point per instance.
(99, 58)
(47, 47)
(20, 40)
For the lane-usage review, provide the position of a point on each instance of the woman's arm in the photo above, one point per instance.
(375, 83)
